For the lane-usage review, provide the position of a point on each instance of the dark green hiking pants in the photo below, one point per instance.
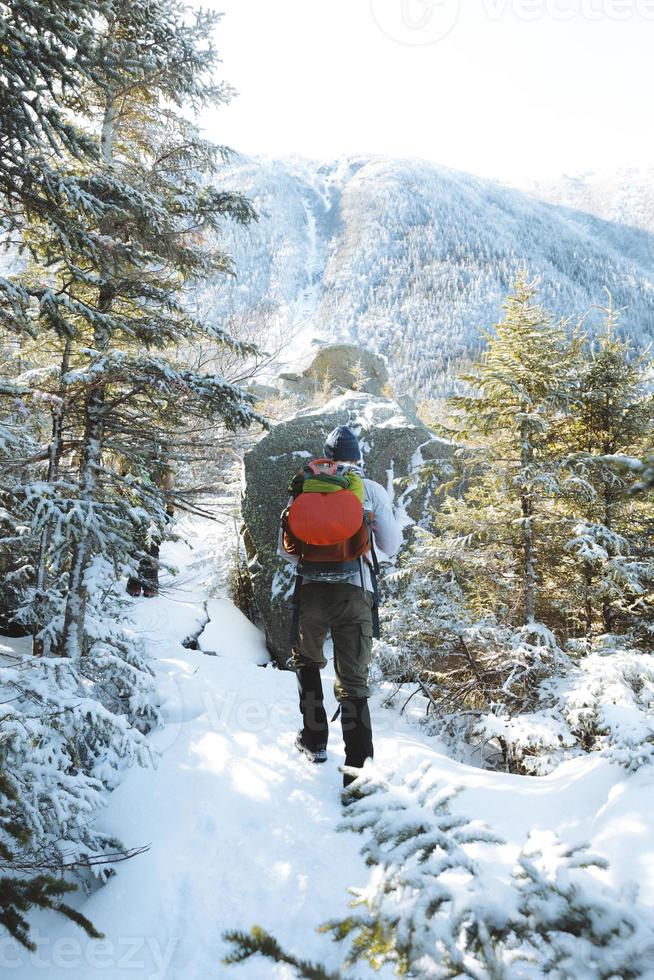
(345, 611)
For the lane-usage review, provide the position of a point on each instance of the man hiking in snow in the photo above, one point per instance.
(329, 531)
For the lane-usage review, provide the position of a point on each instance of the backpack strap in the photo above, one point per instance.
(296, 483)
(375, 606)
(374, 573)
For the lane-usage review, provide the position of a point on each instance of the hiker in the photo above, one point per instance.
(337, 597)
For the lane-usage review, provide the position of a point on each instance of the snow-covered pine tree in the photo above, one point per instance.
(48, 51)
(23, 888)
(424, 909)
(133, 237)
(18, 445)
(571, 922)
(611, 525)
(432, 910)
(47, 56)
(45, 49)
(114, 203)
(423, 615)
(258, 942)
(428, 911)
(65, 740)
(131, 399)
(487, 547)
(493, 535)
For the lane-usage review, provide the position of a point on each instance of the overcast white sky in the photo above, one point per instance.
(502, 88)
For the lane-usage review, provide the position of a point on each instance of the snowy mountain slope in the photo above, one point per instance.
(243, 830)
(412, 260)
(625, 196)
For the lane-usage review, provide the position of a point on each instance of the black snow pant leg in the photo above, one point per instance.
(315, 728)
(357, 734)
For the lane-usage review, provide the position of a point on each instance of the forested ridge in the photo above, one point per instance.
(413, 260)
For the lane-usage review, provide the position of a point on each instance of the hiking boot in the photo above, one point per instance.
(357, 734)
(133, 588)
(149, 593)
(315, 727)
(313, 755)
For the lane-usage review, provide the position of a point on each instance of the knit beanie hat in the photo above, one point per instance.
(342, 445)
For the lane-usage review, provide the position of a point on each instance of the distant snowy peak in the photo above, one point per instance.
(625, 196)
(412, 260)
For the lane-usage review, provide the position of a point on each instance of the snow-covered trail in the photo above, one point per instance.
(242, 829)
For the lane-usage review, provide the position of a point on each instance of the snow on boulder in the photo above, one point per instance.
(230, 634)
(393, 443)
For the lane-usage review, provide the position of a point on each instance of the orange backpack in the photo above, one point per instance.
(329, 531)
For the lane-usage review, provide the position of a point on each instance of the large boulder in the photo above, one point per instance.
(349, 366)
(343, 366)
(393, 444)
